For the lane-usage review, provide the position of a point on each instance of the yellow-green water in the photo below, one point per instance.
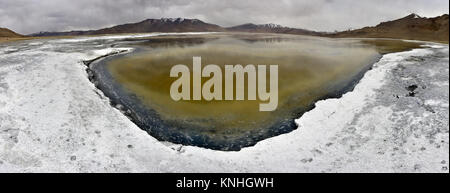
(309, 69)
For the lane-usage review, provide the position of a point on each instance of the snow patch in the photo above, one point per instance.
(107, 51)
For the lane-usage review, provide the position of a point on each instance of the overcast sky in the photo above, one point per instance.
(29, 16)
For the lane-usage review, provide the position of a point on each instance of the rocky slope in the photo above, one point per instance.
(410, 27)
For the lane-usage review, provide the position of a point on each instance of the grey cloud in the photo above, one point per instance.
(29, 16)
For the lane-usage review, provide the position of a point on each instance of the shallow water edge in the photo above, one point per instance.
(150, 121)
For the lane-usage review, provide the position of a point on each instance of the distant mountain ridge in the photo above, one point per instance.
(146, 26)
(180, 25)
(270, 28)
(410, 27)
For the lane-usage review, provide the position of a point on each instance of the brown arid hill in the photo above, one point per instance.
(7, 33)
(411, 27)
(146, 26)
(271, 28)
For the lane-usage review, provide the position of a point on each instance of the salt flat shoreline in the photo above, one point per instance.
(52, 120)
(149, 120)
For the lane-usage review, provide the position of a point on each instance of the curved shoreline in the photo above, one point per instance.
(148, 120)
(151, 121)
(366, 130)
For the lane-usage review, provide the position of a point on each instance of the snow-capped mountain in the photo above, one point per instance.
(412, 26)
(149, 25)
(182, 25)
